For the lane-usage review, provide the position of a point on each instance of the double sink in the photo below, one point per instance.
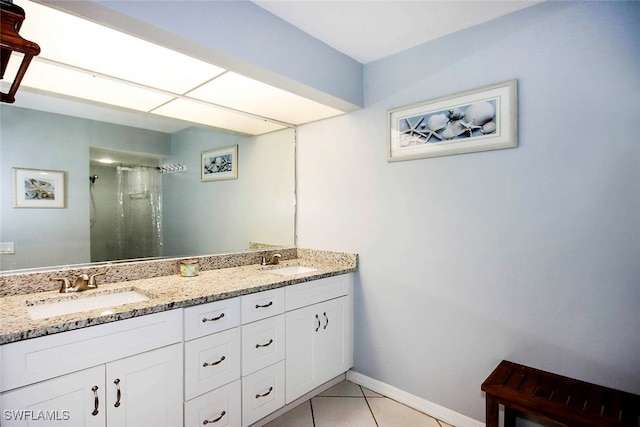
(94, 300)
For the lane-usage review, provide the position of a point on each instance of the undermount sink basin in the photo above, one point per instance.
(294, 269)
(41, 309)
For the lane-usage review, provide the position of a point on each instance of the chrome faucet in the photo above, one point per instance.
(82, 283)
(274, 260)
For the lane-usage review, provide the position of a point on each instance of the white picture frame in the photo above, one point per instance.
(39, 188)
(219, 164)
(476, 120)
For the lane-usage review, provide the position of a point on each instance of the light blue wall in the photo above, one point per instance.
(529, 254)
(38, 140)
(223, 216)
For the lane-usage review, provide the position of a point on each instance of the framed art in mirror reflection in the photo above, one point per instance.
(39, 188)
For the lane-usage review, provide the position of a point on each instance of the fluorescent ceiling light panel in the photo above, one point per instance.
(245, 94)
(217, 117)
(86, 60)
(75, 41)
(66, 81)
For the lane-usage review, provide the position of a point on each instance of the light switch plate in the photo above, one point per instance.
(7, 248)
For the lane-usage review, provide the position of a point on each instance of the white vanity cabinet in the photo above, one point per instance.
(88, 384)
(145, 389)
(212, 364)
(76, 399)
(319, 333)
(228, 363)
(141, 390)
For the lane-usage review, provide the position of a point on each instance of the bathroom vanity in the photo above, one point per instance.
(228, 347)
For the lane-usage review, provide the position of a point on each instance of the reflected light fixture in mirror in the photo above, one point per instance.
(110, 67)
(11, 18)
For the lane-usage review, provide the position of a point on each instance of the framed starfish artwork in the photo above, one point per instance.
(38, 188)
(477, 120)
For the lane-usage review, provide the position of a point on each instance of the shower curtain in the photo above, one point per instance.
(139, 210)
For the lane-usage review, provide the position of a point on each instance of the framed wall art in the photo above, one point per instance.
(38, 188)
(219, 164)
(477, 120)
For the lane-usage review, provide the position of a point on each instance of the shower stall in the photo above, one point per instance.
(125, 211)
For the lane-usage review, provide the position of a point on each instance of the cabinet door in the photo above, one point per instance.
(146, 389)
(318, 345)
(75, 399)
(334, 339)
(300, 327)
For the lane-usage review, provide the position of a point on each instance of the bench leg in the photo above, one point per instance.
(491, 411)
(509, 417)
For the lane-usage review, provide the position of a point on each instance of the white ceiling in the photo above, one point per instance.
(367, 30)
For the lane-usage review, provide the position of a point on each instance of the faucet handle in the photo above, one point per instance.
(66, 284)
(275, 258)
(92, 280)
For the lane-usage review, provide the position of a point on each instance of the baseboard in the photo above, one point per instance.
(440, 412)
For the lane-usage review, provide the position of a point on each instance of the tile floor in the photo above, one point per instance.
(349, 405)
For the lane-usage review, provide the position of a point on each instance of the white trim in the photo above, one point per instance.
(415, 402)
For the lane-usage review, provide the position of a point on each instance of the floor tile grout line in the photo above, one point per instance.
(366, 399)
(313, 419)
(369, 406)
(345, 397)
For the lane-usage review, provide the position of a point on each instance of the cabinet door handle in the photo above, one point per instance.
(258, 396)
(205, 364)
(205, 422)
(118, 395)
(212, 319)
(264, 306)
(265, 345)
(96, 402)
(327, 319)
(319, 323)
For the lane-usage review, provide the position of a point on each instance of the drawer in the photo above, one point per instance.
(262, 344)
(220, 407)
(211, 361)
(262, 393)
(205, 319)
(308, 293)
(262, 305)
(26, 362)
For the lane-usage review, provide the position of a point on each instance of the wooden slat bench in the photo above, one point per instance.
(555, 398)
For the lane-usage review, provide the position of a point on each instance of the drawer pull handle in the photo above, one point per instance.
(205, 364)
(264, 306)
(258, 396)
(327, 319)
(212, 319)
(265, 345)
(319, 323)
(216, 420)
(118, 395)
(96, 402)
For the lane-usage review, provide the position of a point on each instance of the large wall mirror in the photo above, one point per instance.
(197, 217)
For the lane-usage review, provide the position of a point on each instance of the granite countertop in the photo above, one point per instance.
(166, 293)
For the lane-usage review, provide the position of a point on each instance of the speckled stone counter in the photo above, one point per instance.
(167, 292)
